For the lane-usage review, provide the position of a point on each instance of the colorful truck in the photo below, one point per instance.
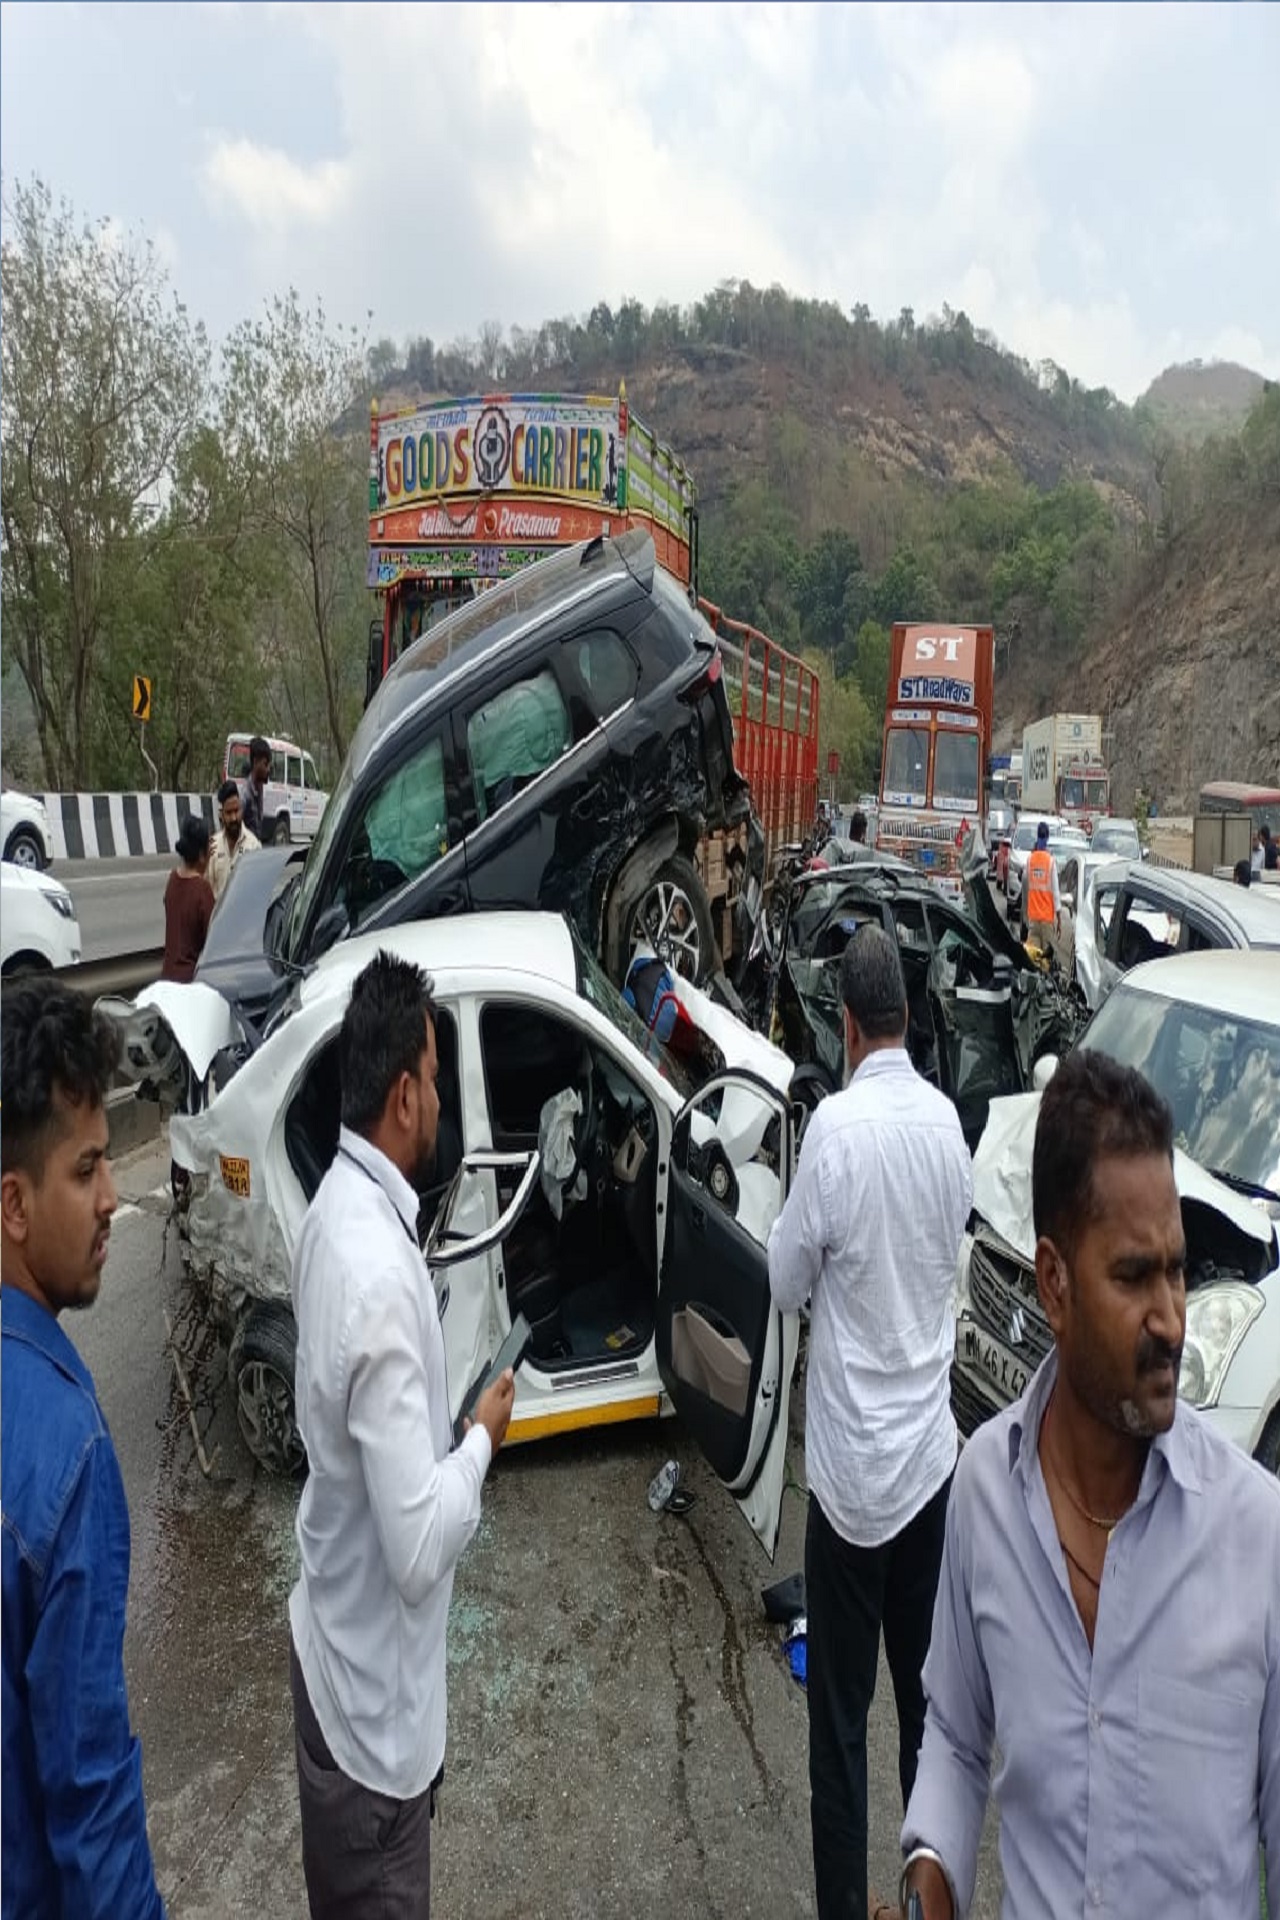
(937, 736)
(1063, 769)
(466, 492)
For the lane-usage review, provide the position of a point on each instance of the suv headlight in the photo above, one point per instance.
(1218, 1317)
(62, 903)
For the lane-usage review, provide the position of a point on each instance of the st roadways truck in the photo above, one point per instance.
(1063, 770)
(937, 739)
(464, 493)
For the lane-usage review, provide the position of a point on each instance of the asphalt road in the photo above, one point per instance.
(624, 1735)
(119, 903)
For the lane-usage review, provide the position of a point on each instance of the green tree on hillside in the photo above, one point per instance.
(103, 380)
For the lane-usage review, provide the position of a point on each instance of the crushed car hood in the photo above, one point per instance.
(1002, 1181)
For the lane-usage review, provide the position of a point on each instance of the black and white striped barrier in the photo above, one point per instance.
(108, 826)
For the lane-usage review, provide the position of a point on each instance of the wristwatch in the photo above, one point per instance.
(927, 1853)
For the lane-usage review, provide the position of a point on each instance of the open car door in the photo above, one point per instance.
(472, 1220)
(725, 1352)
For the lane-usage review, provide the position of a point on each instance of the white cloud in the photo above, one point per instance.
(270, 190)
(1092, 184)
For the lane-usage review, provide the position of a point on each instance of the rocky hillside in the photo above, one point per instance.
(1196, 400)
(1189, 674)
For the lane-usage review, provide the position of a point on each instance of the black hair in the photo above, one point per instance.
(259, 749)
(1242, 873)
(55, 1049)
(229, 790)
(858, 826)
(383, 1035)
(193, 839)
(1093, 1109)
(871, 983)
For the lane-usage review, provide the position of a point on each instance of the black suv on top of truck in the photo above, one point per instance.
(563, 741)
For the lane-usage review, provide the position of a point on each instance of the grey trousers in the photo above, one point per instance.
(365, 1855)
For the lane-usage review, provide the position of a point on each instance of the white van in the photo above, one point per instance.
(294, 799)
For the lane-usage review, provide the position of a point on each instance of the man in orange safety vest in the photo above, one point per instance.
(1043, 903)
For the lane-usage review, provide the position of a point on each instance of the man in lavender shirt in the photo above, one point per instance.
(1108, 1614)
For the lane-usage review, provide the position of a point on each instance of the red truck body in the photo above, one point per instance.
(466, 492)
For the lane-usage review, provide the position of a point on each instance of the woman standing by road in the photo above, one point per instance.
(188, 903)
(188, 908)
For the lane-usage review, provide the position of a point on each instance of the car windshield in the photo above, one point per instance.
(1118, 837)
(1024, 835)
(596, 987)
(1219, 1073)
(331, 821)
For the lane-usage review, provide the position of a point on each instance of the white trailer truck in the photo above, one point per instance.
(1063, 770)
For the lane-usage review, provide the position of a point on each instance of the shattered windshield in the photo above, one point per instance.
(1220, 1075)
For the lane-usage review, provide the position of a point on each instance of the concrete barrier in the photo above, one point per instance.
(110, 826)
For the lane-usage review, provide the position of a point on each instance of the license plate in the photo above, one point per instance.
(991, 1361)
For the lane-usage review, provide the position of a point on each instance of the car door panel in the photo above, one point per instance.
(725, 1353)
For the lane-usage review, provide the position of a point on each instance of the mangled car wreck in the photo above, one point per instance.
(563, 742)
(582, 1178)
(981, 1011)
(1204, 1029)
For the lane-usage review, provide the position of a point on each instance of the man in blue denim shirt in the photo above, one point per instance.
(74, 1824)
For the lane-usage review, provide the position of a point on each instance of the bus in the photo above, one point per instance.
(1262, 804)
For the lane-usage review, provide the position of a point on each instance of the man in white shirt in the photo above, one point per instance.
(387, 1507)
(870, 1233)
(232, 840)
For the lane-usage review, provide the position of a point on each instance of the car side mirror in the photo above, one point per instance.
(329, 929)
(1043, 1071)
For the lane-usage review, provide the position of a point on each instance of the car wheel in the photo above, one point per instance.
(673, 916)
(1268, 1454)
(260, 1366)
(20, 963)
(24, 850)
(281, 834)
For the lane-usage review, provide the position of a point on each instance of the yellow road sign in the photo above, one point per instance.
(141, 697)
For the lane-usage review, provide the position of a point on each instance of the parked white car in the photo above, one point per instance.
(1205, 1030)
(38, 925)
(582, 1179)
(1132, 912)
(293, 800)
(26, 838)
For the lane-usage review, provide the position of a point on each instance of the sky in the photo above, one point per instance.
(1098, 185)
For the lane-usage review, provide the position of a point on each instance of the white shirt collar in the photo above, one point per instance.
(387, 1175)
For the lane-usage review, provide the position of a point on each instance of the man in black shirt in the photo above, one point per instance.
(253, 790)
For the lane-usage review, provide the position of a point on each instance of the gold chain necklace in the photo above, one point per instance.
(1107, 1526)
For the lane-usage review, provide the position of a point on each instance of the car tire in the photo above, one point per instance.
(20, 963)
(281, 836)
(1268, 1453)
(673, 915)
(25, 850)
(260, 1367)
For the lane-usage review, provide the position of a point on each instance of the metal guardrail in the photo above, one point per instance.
(122, 973)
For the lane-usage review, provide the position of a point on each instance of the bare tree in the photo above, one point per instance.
(289, 382)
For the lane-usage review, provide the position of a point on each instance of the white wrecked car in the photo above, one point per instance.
(582, 1179)
(1205, 1030)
